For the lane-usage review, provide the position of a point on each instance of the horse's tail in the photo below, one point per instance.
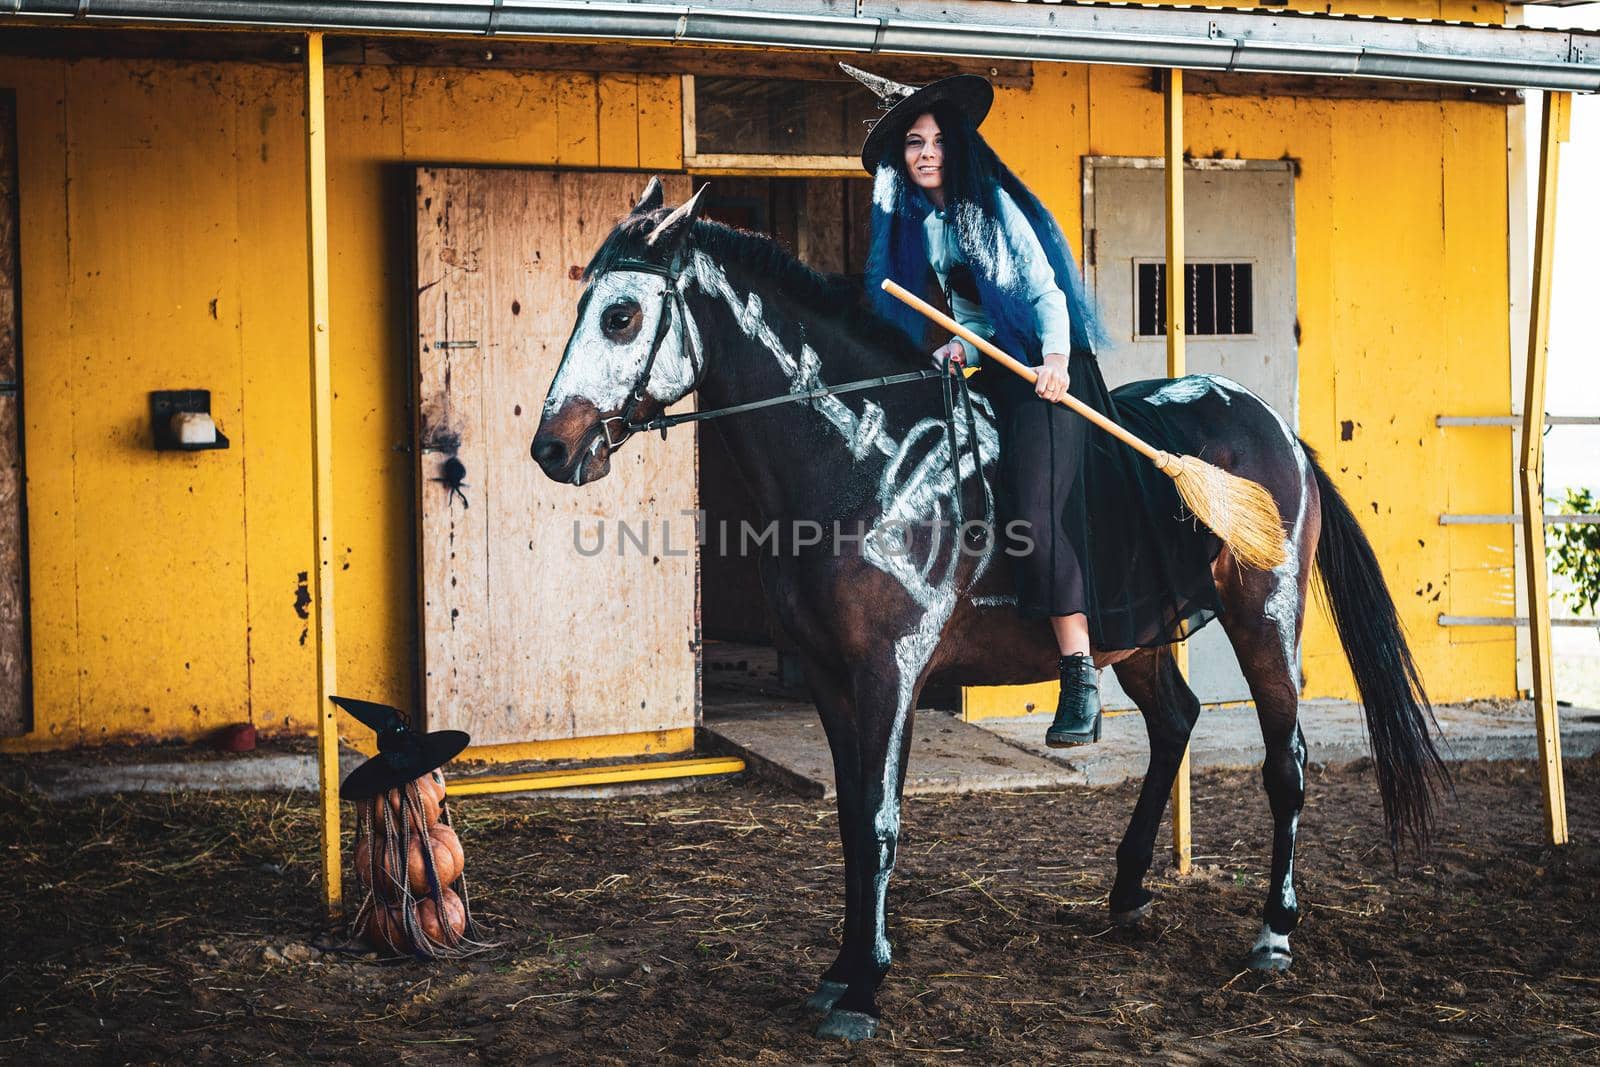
(1398, 713)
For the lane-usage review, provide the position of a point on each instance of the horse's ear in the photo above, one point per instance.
(672, 229)
(650, 200)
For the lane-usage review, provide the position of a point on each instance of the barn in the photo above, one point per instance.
(176, 178)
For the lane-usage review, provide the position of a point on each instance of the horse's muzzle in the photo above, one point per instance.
(570, 445)
(550, 452)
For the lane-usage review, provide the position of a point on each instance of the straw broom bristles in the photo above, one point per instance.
(1236, 509)
(1239, 511)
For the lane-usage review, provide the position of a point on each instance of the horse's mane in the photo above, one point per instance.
(837, 297)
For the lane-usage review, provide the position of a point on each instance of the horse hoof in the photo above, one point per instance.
(1270, 954)
(1268, 961)
(845, 1025)
(826, 996)
(1132, 917)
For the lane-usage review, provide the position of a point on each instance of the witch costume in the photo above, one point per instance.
(1140, 574)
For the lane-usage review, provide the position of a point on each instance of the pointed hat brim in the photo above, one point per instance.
(969, 92)
(387, 771)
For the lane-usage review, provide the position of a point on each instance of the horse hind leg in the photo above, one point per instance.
(1170, 709)
(1262, 615)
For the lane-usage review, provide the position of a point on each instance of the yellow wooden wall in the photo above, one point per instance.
(163, 247)
(163, 243)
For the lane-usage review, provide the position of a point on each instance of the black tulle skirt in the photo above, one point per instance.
(1109, 535)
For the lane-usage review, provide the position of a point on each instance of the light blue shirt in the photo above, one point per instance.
(1051, 317)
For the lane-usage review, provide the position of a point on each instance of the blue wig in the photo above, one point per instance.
(974, 177)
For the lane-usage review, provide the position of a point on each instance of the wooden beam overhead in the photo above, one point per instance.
(1221, 83)
(495, 53)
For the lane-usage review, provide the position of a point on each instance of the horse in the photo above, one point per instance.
(676, 304)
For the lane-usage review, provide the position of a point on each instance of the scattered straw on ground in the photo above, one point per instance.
(688, 927)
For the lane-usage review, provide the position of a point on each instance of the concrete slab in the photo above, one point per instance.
(66, 779)
(785, 743)
(1230, 737)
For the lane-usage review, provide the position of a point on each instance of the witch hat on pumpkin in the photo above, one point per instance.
(902, 103)
(403, 754)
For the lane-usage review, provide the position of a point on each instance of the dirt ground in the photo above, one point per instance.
(689, 926)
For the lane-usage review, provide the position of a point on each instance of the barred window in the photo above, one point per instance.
(1220, 297)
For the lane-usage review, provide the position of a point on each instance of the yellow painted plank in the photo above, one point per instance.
(479, 116)
(1476, 320)
(589, 776)
(660, 122)
(321, 403)
(274, 440)
(49, 380)
(577, 120)
(373, 474)
(1046, 152)
(614, 746)
(159, 536)
(979, 702)
(619, 120)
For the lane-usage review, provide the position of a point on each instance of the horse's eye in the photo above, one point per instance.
(618, 317)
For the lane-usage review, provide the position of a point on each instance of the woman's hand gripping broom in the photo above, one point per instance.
(1239, 511)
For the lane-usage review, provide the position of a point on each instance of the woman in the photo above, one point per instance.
(943, 200)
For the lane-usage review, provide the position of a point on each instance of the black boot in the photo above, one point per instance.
(1077, 719)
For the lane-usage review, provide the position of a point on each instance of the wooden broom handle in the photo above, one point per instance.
(1160, 458)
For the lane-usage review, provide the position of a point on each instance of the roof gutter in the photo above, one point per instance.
(1199, 39)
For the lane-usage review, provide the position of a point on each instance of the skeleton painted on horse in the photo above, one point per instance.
(676, 304)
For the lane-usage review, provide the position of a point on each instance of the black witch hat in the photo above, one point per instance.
(403, 754)
(902, 103)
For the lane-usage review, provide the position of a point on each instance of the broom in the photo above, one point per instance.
(1236, 509)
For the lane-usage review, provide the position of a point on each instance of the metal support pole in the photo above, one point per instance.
(1553, 130)
(1182, 848)
(322, 474)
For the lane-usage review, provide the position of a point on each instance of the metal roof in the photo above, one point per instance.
(1256, 41)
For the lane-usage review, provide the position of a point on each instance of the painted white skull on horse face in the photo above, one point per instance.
(633, 352)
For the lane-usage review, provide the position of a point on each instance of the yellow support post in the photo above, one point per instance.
(1182, 848)
(322, 474)
(1553, 130)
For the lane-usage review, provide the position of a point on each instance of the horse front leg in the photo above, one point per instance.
(1170, 709)
(883, 707)
(836, 708)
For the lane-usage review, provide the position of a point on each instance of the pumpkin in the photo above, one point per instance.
(432, 782)
(454, 914)
(386, 929)
(369, 849)
(446, 835)
(446, 864)
(429, 798)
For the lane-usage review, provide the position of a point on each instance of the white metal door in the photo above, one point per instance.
(1241, 291)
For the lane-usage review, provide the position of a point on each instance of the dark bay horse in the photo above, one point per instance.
(677, 305)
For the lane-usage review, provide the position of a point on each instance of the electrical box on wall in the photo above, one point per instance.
(180, 421)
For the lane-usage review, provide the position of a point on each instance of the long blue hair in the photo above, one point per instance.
(973, 178)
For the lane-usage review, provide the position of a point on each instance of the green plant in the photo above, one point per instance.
(1574, 550)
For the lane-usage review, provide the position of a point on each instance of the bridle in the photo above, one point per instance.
(672, 301)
